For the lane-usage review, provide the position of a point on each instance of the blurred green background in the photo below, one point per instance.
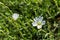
(22, 29)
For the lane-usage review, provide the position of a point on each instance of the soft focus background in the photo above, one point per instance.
(22, 29)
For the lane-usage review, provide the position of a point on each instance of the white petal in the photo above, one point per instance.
(40, 18)
(39, 26)
(36, 19)
(15, 16)
(34, 24)
(43, 22)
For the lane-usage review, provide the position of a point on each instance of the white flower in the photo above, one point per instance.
(38, 22)
(15, 16)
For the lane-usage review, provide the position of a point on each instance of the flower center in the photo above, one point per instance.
(39, 23)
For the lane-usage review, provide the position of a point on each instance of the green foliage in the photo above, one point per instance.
(22, 29)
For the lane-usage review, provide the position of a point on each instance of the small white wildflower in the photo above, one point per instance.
(15, 16)
(38, 22)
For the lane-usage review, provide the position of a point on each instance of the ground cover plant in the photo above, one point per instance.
(29, 19)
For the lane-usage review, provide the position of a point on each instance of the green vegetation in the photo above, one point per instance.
(22, 28)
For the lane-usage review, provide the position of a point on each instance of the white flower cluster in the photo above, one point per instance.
(38, 21)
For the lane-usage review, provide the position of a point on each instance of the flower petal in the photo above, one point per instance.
(35, 19)
(40, 18)
(43, 22)
(34, 24)
(39, 26)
